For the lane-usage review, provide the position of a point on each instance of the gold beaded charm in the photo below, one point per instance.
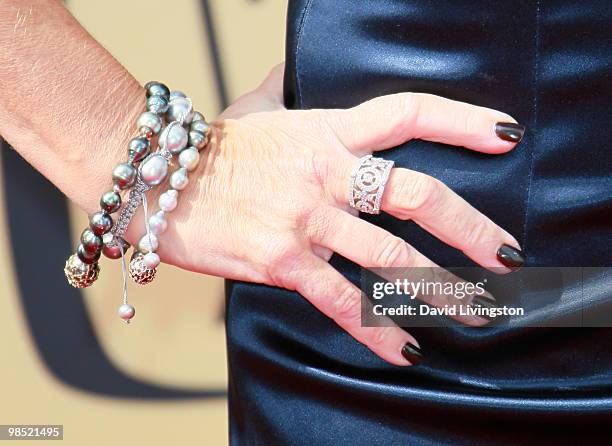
(79, 274)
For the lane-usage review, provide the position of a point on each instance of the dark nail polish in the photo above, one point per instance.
(509, 131)
(484, 301)
(511, 257)
(412, 353)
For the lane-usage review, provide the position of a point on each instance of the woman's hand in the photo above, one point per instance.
(268, 203)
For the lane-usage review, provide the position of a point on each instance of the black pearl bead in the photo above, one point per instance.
(155, 88)
(100, 223)
(138, 149)
(124, 175)
(157, 104)
(110, 202)
(87, 257)
(113, 248)
(91, 242)
(197, 139)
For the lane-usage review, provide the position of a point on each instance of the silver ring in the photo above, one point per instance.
(367, 183)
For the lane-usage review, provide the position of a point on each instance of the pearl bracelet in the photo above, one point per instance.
(82, 268)
(145, 260)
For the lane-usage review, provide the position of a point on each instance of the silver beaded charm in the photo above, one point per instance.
(139, 271)
(79, 274)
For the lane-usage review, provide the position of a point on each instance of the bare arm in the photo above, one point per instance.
(66, 104)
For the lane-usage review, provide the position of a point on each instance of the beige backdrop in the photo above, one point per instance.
(178, 338)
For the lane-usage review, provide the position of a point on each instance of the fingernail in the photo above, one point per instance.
(510, 131)
(484, 301)
(412, 353)
(511, 257)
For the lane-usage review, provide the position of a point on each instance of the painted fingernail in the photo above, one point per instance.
(486, 302)
(412, 353)
(511, 257)
(510, 131)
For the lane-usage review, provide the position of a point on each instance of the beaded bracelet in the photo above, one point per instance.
(145, 260)
(82, 268)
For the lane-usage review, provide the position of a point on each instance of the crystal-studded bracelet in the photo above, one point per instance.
(82, 268)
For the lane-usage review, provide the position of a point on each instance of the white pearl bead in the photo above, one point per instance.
(154, 169)
(126, 312)
(167, 202)
(172, 193)
(158, 223)
(173, 138)
(151, 260)
(148, 243)
(179, 179)
(189, 158)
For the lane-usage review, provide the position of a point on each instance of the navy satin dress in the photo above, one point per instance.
(297, 379)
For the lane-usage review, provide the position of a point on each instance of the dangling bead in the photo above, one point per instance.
(126, 312)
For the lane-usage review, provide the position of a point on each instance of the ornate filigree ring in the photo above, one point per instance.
(367, 183)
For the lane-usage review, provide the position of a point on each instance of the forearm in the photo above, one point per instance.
(66, 105)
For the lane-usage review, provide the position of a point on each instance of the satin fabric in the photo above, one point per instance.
(297, 379)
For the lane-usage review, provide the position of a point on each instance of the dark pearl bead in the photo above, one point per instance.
(91, 242)
(124, 175)
(110, 202)
(197, 139)
(113, 249)
(157, 104)
(87, 257)
(155, 88)
(138, 149)
(100, 223)
(200, 126)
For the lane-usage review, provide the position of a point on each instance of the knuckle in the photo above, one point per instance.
(393, 251)
(420, 193)
(471, 122)
(405, 112)
(477, 232)
(315, 224)
(282, 264)
(347, 306)
(379, 335)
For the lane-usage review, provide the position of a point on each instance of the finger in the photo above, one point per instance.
(388, 121)
(443, 213)
(336, 297)
(391, 257)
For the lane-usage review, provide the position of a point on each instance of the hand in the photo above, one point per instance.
(268, 203)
